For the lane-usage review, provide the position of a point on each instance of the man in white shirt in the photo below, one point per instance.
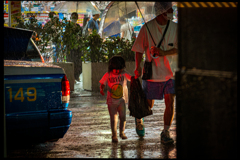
(126, 29)
(163, 68)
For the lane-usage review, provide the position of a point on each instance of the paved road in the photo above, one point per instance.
(90, 135)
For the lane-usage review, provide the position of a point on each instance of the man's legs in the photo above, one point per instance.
(169, 110)
(150, 102)
(157, 91)
(153, 90)
(169, 95)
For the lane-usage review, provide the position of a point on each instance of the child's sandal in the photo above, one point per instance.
(123, 136)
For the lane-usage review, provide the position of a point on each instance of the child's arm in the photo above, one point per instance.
(128, 76)
(101, 89)
(103, 82)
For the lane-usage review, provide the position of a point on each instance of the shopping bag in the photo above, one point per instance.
(137, 104)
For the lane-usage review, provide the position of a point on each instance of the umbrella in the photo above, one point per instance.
(82, 7)
(129, 10)
(113, 32)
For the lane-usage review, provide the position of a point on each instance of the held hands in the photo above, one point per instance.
(138, 72)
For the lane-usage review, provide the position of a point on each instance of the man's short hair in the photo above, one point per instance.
(74, 14)
(51, 14)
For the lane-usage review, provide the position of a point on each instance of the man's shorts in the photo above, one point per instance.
(156, 90)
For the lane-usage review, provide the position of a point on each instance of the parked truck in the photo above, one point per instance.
(36, 94)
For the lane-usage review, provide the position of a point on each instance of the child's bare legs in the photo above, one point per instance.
(112, 109)
(122, 117)
(121, 109)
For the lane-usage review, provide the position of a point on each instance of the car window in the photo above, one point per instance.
(32, 52)
(14, 48)
(15, 43)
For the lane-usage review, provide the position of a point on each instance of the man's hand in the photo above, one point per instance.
(138, 72)
(157, 51)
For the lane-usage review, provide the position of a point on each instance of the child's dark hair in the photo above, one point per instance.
(116, 62)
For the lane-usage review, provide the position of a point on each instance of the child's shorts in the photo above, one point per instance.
(119, 108)
(156, 90)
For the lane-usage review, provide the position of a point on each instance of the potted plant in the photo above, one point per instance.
(97, 52)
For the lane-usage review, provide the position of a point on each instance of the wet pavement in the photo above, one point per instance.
(89, 135)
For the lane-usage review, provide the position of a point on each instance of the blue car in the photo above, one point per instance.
(36, 94)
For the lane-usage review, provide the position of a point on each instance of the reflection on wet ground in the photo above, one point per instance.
(90, 135)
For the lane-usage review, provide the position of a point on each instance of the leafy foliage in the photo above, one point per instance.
(98, 50)
(93, 47)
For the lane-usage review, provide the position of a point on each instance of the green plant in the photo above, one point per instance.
(53, 32)
(31, 25)
(91, 48)
(72, 37)
(126, 49)
(117, 46)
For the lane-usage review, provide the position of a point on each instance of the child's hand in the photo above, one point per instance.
(101, 89)
(102, 93)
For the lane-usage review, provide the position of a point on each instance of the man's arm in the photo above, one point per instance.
(161, 52)
(89, 30)
(169, 52)
(122, 35)
(90, 27)
(138, 59)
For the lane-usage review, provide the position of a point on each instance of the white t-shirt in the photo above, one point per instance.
(117, 90)
(127, 29)
(163, 67)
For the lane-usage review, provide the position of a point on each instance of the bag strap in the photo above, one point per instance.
(159, 44)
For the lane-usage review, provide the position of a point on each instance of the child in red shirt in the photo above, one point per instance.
(117, 94)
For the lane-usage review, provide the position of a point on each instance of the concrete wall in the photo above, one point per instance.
(206, 85)
(87, 75)
(68, 68)
(97, 70)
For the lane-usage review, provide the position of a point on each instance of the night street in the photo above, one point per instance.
(69, 67)
(90, 135)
